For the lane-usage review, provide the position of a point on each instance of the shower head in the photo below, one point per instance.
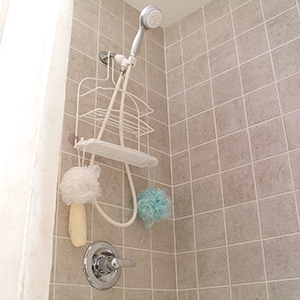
(150, 18)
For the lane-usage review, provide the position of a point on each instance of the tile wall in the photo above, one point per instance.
(233, 86)
(102, 26)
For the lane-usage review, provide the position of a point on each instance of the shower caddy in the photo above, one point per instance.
(126, 117)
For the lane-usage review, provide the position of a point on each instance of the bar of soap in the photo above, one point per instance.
(77, 224)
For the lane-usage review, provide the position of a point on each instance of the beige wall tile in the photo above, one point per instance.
(222, 293)
(209, 228)
(215, 9)
(222, 58)
(113, 6)
(219, 31)
(271, 8)
(289, 90)
(137, 294)
(278, 215)
(247, 16)
(182, 200)
(272, 176)
(155, 54)
(292, 126)
(262, 105)
(164, 295)
(295, 165)
(220, 84)
(193, 45)
(212, 267)
(180, 168)
(267, 139)
(238, 186)
(230, 117)
(156, 79)
(188, 295)
(283, 28)
(72, 292)
(196, 71)
(286, 59)
(242, 223)
(246, 263)
(178, 136)
(86, 12)
(249, 292)
(114, 293)
(191, 23)
(284, 289)
(177, 111)
(163, 271)
(173, 56)
(172, 34)
(252, 43)
(234, 150)
(201, 128)
(281, 255)
(204, 160)
(198, 99)
(184, 233)
(186, 270)
(207, 194)
(257, 73)
(175, 81)
(159, 231)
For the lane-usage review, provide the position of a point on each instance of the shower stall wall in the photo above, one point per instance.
(108, 26)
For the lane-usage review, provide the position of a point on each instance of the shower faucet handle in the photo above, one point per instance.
(115, 263)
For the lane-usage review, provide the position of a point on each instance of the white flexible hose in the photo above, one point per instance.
(121, 136)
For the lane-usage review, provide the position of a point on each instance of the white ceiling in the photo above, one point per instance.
(173, 10)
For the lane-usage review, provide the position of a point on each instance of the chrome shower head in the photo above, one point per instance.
(150, 18)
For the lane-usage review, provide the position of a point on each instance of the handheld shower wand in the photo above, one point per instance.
(150, 18)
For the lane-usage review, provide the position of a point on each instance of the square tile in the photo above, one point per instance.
(248, 292)
(196, 71)
(159, 232)
(186, 270)
(230, 117)
(219, 31)
(292, 127)
(238, 186)
(180, 168)
(173, 56)
(222, 58)
(163, 271)
(257, 73)
(267, 139)
(212, 267)
(177, 110)
(273, 176)
(172, 34)
(207, 194)
(283, 28)
(262, 105)
(204, 160)
(221, 293)
(220, 84)
(282, 257)
(209, 228)
(201, 128)
(215, 9)
(289, 90)
(192, 22)
(193, 45)
(252, 43)
(295, 165)
(246, 263)
(286, 59)
(234, 150)
(242, 223)
(184, 233)
(284, 289)
(198, 99)
(175, 81)
(278, 215)
(247, 16)
(271, 8)
(182, 200)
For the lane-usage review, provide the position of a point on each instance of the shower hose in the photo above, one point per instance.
(121, 137)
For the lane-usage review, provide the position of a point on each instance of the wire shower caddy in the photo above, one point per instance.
(133, 122)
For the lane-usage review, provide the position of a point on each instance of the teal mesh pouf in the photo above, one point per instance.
(153, 205)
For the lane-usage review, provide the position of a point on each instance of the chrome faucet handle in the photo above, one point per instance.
(116, 263)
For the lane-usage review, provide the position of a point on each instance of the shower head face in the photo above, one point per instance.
(150, 17)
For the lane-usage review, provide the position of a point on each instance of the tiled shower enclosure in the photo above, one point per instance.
(225, 85)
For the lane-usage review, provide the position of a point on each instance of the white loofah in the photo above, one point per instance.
(80, 185)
